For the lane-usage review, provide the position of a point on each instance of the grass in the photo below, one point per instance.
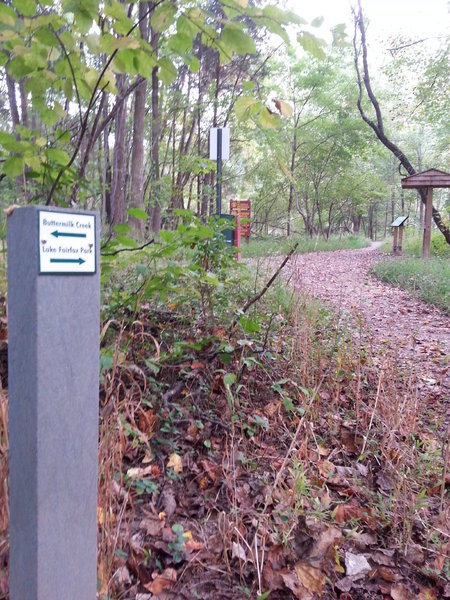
(426, 279)
(281, 245)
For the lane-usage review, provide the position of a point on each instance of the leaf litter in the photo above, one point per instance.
(315, 472)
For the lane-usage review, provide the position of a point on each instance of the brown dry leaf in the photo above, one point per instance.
(311, 578)
(147, 457)
(291, 581)
(212, 470)
(148, 422)
(401, 592)
(197, 365)
(162, 582)
(175, 463)
(347, 512)
(323, 549)
(152, 525)
(349, 440)
(122, 576)
(326, 468)
(102, 576)
(388, 574)
(141, 472)
(272, 408)
(323, 451)
(191, 545)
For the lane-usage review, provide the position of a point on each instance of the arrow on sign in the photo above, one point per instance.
(80, 261)
(58, 234)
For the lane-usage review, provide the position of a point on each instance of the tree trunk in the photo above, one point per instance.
(156, 128)
(118, 206)
(136, 199)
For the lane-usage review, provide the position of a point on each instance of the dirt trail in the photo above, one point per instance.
(388, 319)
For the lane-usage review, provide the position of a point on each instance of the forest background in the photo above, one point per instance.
(110, 106)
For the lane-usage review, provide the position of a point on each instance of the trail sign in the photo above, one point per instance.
(66, 242)
(53, 375)
(219, 150)
(224, 148)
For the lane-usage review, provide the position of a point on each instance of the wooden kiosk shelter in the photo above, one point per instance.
(433, 178)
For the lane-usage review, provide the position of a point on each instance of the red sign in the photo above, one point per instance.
(242, 208)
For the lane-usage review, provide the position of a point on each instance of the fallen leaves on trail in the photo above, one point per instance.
(162, 582)
(311, 578)
(175, 462)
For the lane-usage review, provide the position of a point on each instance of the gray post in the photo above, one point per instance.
(53, 322)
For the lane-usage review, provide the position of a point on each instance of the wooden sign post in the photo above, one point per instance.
(53, 364)
(242, 209)
(397, 227)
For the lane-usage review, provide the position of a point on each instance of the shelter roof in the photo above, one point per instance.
(430, 178)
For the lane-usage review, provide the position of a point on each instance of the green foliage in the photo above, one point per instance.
(412, 244)
(155, 273)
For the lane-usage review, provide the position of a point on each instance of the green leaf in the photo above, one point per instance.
(13, 166)
(45, 36)
(167, 72)
(268, 120)
(317, 22)
(311, 44)
(187, 27)
(339, 36)
(233, 39)
(58, 156)
(163, 16)
(179, 43)
(7, 15)
(248, 325)
(122, 228)
(246, 107)
(137, 213)
(117, 11)
(33, 162)
(192, 62)
(26, 7)
(17, 68)
(126, 241)
(229, 379)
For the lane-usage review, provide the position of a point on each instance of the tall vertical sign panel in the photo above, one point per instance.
(53, 312)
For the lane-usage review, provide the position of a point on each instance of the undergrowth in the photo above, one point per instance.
(412, 244)
(247, 448)
(428, 279)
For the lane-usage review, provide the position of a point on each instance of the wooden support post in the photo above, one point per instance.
(394, 246)
(400, 239)
(427, 231)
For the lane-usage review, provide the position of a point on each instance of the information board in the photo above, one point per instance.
(242, 208)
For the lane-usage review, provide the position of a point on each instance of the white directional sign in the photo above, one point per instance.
(225, 143)
(66, 242)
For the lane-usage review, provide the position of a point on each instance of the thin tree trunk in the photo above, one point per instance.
(118, 206)
(137, 153)
(156, 214)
